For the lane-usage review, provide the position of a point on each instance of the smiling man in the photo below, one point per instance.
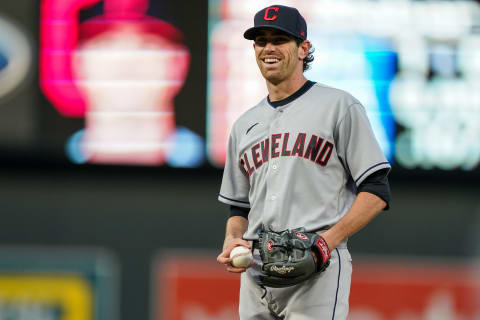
(303, 173)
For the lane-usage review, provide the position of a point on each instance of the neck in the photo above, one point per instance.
(286, 88)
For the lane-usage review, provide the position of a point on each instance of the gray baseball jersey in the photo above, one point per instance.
(298, 165)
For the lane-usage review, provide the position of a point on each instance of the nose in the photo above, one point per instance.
(269, 46)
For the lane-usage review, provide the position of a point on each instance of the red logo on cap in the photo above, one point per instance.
(302, 33)
(266, 16)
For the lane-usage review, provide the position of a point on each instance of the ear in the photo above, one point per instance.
(303, 49)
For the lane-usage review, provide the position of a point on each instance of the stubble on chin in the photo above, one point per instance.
(272, 76)
(273, 79)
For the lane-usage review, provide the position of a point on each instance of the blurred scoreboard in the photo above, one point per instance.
(143, 82)
(414, 65)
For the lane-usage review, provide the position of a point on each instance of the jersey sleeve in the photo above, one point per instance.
(235, 184)
(357, 146)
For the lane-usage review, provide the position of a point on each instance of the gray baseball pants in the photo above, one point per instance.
(322, 297)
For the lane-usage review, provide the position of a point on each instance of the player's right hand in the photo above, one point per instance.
(224, 257)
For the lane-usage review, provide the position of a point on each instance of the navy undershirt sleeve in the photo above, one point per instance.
(377, 184)
(239, 211)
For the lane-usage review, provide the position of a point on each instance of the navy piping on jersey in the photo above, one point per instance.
(378, 164)
(292, 97)
(338, 283)
(246, 202)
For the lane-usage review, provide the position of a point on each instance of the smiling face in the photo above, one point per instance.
(278, 55)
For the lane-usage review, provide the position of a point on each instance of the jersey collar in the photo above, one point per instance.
(292, 97)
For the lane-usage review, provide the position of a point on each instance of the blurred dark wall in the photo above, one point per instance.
(135, 212)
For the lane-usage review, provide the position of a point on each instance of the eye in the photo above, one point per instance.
(280, 40)
(261, 42)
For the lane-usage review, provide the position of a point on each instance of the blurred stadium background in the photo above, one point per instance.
(113, 123)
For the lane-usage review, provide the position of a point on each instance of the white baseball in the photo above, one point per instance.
(241, 257)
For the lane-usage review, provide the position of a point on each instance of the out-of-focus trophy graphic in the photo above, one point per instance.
(121, 71)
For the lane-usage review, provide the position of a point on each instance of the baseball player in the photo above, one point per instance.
(303, 172)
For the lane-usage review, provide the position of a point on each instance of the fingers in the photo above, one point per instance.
(315, 258)
(235, 269)
(224, 257)
(238, 242)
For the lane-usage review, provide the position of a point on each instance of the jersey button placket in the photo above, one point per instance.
(271, 177)
(274, 167)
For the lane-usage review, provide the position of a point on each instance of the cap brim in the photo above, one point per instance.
(251, 33)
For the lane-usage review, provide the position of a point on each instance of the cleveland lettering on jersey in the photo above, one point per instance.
(317, 150)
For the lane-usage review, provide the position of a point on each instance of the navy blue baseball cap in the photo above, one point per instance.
(286, 19)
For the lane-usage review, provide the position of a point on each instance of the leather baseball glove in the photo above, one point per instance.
(287, 256)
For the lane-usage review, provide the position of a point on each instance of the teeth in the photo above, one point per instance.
(271, 60)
